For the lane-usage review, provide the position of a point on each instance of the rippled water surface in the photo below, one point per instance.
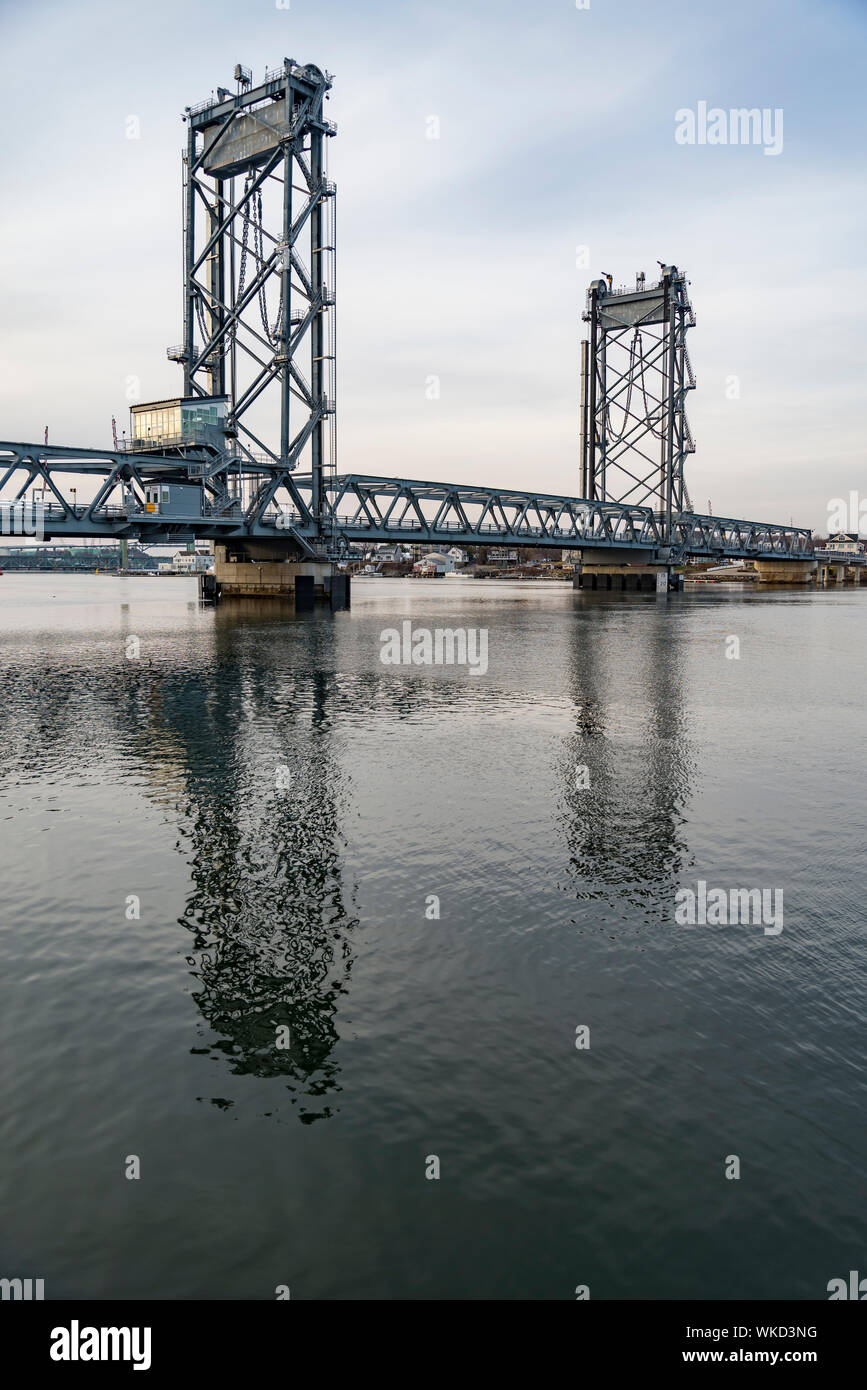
(266, 907)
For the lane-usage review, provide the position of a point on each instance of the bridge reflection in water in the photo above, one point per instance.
(201, 723)
(213, 718)
(268, 915)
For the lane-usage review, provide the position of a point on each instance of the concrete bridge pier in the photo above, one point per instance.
(787, 571)
(607, 571)
(618, 579)
(838, 572)
(273, 569)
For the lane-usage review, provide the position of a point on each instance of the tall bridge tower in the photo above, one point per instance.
(635, 375)
(259, 271)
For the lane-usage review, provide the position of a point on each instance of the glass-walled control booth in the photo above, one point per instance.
(185, 420)
(199, 416)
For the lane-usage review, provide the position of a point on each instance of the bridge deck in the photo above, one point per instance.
(247, 500)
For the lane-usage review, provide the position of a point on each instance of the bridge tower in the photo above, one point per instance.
(259, 274)
(635, 375)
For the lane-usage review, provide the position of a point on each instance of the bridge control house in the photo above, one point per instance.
(162, 425)
(176, 424)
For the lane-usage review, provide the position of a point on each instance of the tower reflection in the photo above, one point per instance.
(270, 926)
(225, 723)
(625, 830)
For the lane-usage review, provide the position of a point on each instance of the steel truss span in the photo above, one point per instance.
(237, 499)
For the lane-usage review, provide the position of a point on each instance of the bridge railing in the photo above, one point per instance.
(359, 505)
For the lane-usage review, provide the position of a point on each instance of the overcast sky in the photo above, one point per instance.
(457, 256)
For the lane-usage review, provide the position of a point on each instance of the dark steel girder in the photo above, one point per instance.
(359, 507)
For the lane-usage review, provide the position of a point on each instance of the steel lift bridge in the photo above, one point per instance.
(246, 457)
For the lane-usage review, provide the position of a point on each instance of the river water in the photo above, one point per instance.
(223, 838)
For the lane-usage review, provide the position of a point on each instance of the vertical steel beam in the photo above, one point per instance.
(317, 337)
(669, 464)
(233, 366)
(286, 288)
(217, 288)
(602, 425)
(583, 416)
(189, 257)
(678, 397)
(591, 493)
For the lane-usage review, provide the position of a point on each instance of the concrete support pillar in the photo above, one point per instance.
(256, 570)
(339, 592)
(785, 571)
(595, 576)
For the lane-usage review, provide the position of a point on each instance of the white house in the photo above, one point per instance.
(845, 544)
(189, 562)
(434, 563)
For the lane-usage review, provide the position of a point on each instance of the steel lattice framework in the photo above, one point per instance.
(251, 157)
(354, 507)
(636, 374)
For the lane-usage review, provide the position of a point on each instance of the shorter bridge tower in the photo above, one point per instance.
(635, 376)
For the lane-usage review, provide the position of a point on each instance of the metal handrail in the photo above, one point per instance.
(252, 456)
(160, 442)
(203, 105)
(632, 289)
